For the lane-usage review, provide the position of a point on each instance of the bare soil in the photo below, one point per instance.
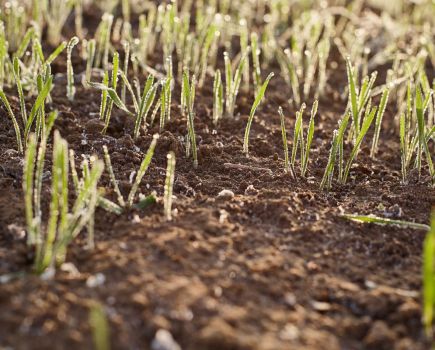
(274, 267)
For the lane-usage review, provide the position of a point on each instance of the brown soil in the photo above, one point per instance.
(274, 267)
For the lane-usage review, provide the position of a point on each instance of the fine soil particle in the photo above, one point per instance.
(268, 265)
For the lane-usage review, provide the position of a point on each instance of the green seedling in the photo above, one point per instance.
(100, 326)
(169, 184)
(70, 89)
(129, 203)
(188, 98)
(429, 278)
(257, 101)
(63, 225)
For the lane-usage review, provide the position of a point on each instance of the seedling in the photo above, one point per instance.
(372, 219)
(100, 326)
(336, 148)
(358, 98)
(414, 140)
(420, 107)
(44, 90)
(309, 140)
(147, 100)
(14, 121)
(218, 98)
(256, 73)
(90, 57)
(122, 203)
(63, 226)
(169, 184)
(17, 78)
(257, 101)
(378, 122)
(188, 100)
(55, 16)
(429, 278)
(284, 140)
(299, 142)
(232, 83)
(165, 99)
(70, 89)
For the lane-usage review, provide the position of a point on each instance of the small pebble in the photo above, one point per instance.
(225, 195)
(251, 191)
(95, 280)
(163, 340)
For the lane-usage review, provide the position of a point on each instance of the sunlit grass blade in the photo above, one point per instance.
(169, 184)
(378, 121)
(310, 135)
(17, 77)
(429, 278)
(284, 140)
(371, 219)
(363, 131)
(70, 89)
(14, 121)
(100, 327)
(143, 168)
(112, 177)
(254, 107)
(40, 101)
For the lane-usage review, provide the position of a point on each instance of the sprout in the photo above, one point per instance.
(188, 96)
(378, 122)
(256, 73)
(358, 98)
(429, 278)
(100, 326)
(70, 89)
(372, 219)
(284, 140)
(232, 83)
(17, 77)
(169, 184)
(14, 121)
(218, 100)
(148, 97)
(122, 204)
(63, 225)
(257, 101)
(90, 57)
(310, 135)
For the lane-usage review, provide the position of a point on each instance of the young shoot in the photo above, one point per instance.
(218, 98)
(423, 147)
(14, 121)
(372, 219)
(254, 107)
(17, 77)
(100, 326)
(284, 140)
(232, 83)
(256, 73)
(367, 122)
(70, 88)
(309, 140)
(63, 225)
(146, 101)
(336, 147)
(122, 203)
(188, 96)
(169, 184)
(378, 122)
(429, 278)
(358, 97)
(90, 57)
